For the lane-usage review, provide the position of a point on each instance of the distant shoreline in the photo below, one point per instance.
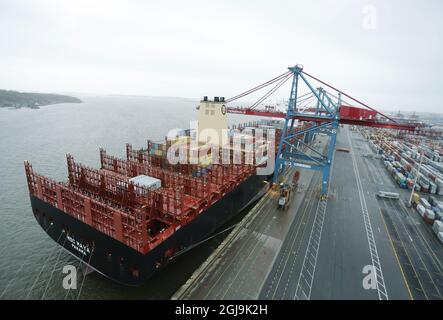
(18, 100)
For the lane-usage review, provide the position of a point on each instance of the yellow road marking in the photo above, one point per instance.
(426, 242)
(396, 256)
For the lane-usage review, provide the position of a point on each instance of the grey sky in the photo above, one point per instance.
(196, 48)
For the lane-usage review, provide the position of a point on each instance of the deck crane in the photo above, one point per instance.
(330, 110)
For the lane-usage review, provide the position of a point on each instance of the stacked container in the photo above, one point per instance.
(421, 210)
(437, 227)
(429, 216)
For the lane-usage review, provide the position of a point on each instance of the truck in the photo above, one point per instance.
(388, 195)
(285, 196)
(286, 190)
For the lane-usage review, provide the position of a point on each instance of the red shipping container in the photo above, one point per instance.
(349, 112)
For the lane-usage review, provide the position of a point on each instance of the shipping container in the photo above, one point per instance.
(437, 227)
(421, 209)
(429, 216)
(425, 203)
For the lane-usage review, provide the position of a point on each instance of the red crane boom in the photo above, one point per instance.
(346, 117)
(348, 114)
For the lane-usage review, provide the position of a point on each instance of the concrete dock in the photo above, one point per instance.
(323, 249)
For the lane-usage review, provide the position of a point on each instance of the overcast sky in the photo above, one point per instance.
(195, 48)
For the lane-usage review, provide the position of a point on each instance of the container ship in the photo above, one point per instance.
(127, 219)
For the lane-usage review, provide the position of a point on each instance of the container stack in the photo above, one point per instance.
(401, 159)
(438, 230)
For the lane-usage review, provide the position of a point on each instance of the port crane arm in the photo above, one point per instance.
(385, 122)
(261, 86)
(324, 118)
(348, 96)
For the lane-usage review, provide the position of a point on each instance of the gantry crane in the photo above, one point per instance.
(330, 110)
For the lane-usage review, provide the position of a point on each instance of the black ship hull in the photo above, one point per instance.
(125, 265)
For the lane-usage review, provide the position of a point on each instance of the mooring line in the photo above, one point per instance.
(84, 275)
(53, 269)
(44, 265)
(21, 267)
(81, 261)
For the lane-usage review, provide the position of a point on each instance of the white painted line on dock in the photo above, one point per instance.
(381, 288)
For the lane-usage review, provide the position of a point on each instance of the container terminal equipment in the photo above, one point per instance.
(129, 218)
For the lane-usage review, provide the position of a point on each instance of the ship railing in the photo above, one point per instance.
(126, 228)
(169, 179)
(198, 186)
(116, 188)
(168, 200)
(119, 189)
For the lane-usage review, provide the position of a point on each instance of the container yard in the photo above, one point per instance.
(415, 163)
